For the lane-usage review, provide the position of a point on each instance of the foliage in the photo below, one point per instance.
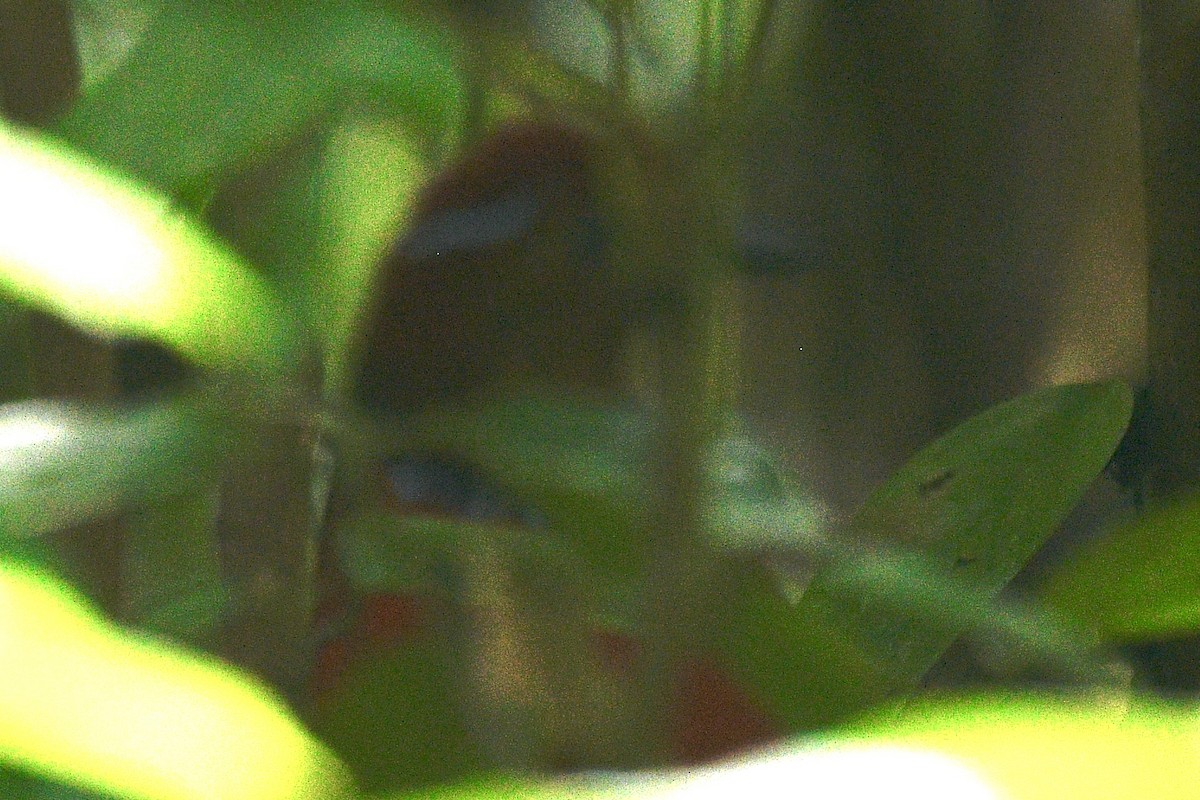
(225, 185)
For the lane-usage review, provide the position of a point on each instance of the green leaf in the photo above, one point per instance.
(1028, 746)
(370, 179)
(209, 85)
(928, 552)
(585, 466)
(90, 705)
(1021, 747)
(391, 553)
(318, 215)
(172, 579)
(60, 464)
(958, 521)
(513, 788)
(116, 260)
(396, 721)
(808, 671)
(1139, 581)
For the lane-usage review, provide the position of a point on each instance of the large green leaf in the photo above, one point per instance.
(959, 520)
(396, 720)
(61, 464)
(1016, 747)
(209, 85)
(1138, 582)
(926, 555)
(317, 215)
(117, 260)
(90, 705)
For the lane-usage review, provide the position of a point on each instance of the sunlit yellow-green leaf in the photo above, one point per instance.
(1035, 747)
(371, 176)
(87, 704)
(1004, 747)
(117, 260)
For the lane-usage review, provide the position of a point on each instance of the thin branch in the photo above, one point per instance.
(726, 26)
(704, 56)
(756, 49)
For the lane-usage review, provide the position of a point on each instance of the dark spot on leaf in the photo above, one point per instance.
(937, 482)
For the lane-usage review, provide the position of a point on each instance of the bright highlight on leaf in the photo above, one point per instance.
(1022, 747)
(1038, 747)
(116, 260)
(60, 464)
(87, 704)
(1000, 747)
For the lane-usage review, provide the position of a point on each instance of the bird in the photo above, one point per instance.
(501, 282)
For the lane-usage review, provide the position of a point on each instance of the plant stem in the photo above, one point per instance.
(1170, 110)
(694, 231)
(267, 535)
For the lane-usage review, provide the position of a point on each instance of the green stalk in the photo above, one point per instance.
(267, 536)
(694, 233)
(1170, 105)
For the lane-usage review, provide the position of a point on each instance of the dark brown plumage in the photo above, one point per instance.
(500, 281)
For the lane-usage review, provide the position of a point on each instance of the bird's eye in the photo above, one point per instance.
(463, 230)
(439, 486)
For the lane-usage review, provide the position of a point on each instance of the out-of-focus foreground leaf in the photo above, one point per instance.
(92, 706)
(584, 467)
(317, 215)
(925, 555)
(396, 719)
(1138, 582)
(1014, 747)
(209, 85)
(60, 464)
(117, 260)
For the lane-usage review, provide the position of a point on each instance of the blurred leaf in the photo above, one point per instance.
(90, 705)
(1139, 581)
(209, 85)
(22, 786)
(755, 506)
(1028, 746)
(106, 31)
(806, 670)
(395, 553)
(116, 260)
(317, 216)
(60, 464)
(172, 568)
(662, 42)
(927, 553)
(584, 465)
(1010, 747)
(370, 182)
(578, 463)
(510, 788)
(962, 517)
(396, 721)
